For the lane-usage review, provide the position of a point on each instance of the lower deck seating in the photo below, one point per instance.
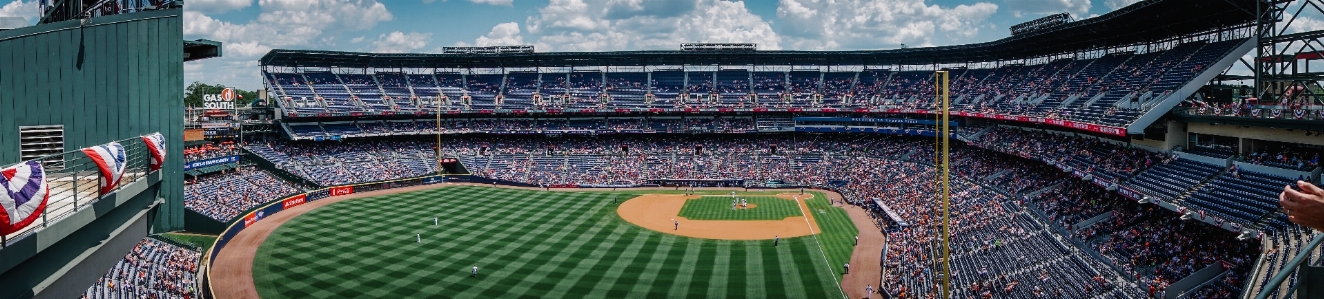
(153, 269)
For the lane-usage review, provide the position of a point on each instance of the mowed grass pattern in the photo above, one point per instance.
(527, 244)
(719, 208)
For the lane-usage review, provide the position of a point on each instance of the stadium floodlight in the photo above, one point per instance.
(518, 49)
(1041, 24)
(714, 47)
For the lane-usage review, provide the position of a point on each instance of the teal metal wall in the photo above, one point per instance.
(111, 78)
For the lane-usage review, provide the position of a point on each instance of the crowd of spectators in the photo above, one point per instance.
(1156, 247)
(1303, 159)
(1084, 90)
(222, 196)
(153, 269)
(1086, 153)
(211, 150)
(329, 164)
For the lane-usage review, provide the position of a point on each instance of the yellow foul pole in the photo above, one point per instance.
(944, 167)
(437, 102)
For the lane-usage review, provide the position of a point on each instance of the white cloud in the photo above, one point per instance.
(302, 24)
(865, 24)
(603, 25)
(215, 6)
(28, 10)
(495, 2)
(504, 34)
(246, 49)
(1115, 4)
(357, 39)
(1303, 24)
(290, 23)
(399, 42)
(1046, 7)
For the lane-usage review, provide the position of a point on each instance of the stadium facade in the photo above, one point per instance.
(113, 74)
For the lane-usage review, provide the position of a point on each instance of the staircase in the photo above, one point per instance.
(386, 98)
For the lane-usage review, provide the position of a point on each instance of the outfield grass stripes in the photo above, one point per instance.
(786, 259)
(721, 271)
(655, 266)
(585, 264)
(685, 274)
(755, 285)
(617, 267)
(530, 244)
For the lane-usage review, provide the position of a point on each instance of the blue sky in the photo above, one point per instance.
(250, 28)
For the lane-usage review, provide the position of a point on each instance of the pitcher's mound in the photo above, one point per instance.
(659, 212)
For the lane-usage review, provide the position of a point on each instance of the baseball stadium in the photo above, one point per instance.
(1113, 156)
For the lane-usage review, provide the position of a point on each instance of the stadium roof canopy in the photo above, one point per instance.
(1143, 22)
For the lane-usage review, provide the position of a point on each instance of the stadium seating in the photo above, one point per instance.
(1242, 196)
(153, 269)
(331, 165)
(223, 196)
(1113, 90)
(1172, 180)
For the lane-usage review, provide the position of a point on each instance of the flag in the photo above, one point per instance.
(156, 145)
(24, 195)
(110, 159)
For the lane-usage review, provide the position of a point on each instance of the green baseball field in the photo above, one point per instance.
(538, 244)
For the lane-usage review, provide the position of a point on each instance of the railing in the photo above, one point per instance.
(1311, 113)
(68, 10)
(1288, 270)
(75, 182)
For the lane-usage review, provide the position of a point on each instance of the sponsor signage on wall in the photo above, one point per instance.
(342, 190)
(210, 162)
(294, 201)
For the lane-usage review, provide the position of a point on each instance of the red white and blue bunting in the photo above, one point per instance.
(156, 145)
(110, 159)
(24, 196)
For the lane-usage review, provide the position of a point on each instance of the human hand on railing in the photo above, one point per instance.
(1305, 207)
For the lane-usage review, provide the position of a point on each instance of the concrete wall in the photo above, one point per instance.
(1175, 137)
(114, 77)
(72, 264)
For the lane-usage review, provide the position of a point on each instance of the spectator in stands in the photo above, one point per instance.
(1305, 207)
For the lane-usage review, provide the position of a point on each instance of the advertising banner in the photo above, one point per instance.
(1129, 193)
(210, 162)
(294, 201)
(342, 190)
(434, 180)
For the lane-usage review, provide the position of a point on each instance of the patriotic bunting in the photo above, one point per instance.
(156, 145)
(24, 196)
(110, 159)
